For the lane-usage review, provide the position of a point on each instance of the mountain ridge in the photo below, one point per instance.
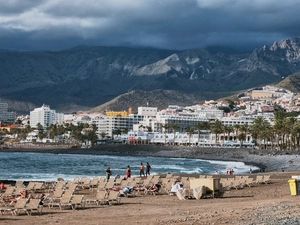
(86, 77)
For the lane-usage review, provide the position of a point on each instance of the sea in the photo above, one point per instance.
(49, 166)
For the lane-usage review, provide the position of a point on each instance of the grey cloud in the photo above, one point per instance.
(18, 6)
(172, 24)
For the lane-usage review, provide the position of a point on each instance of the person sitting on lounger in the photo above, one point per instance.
(126, 190)
(175, 187)
(154, 187)
(2, 186)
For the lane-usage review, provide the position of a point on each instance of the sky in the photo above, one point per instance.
(35, 25)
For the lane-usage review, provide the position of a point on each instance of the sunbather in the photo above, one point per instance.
(2, 186)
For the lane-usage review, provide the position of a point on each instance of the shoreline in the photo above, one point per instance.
(266, 160)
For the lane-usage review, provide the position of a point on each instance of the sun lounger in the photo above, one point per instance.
(57, 194)
(94, 183)
(9, 191)
(86, 183)
(266, 179)
(39, 186)
(65, 201)
(77, 201)
(100, 199)
(199, 192)
(19, 206)
(113, 197)
(30, 186)
(19, 184)
(34, 205)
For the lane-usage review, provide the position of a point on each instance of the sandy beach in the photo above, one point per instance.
(259, 204)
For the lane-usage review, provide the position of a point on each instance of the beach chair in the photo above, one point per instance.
(110, 184)
(19, 184)
(118, 181)
(199, 192)
(113, 197)
(57, 194)
(259, 179)
(100, 199)
(94, 183)
(34, 205)
(169, 176)
(76, 180)
(39, 186)
(65, 201)
(71, 187)
(77, 201)
(19, 206)
(86, 184)
(9, 191)
(60, 185)
(266, 179)
(101, 186)
(30, 186)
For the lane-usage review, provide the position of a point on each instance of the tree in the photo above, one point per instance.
(217, 128)
(102, 134)
(242, 136)
(91, 136)
(166, 127)
(118, 132)
(201, 126)
(175, 127)
(261, 129)
(190, 131)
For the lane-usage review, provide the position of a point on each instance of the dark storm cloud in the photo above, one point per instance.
(172, 24)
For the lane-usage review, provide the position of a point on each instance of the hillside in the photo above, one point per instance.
(86, 77)
(157, 98)
(291, 83)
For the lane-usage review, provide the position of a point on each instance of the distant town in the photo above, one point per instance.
(260, 118)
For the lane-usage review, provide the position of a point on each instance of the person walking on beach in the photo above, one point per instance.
(108, 173)
(128, 172)
(142, 169)
(148, 167)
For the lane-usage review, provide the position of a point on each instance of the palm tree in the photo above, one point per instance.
(236, 128)
(175, 127)
(217, 128)
(228, 130)
(118, 132)
(166, 128)
(261, 129)
(201, 126)
(190, 131)
(242, 136)
(278, 127)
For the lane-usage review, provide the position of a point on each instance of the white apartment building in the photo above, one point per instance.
(6, 116)
(109, 124)
(45, 116)
(237, 120)
(147, 111)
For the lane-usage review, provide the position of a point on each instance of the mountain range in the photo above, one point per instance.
(96, 78)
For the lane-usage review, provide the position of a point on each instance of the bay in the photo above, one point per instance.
(49, 167)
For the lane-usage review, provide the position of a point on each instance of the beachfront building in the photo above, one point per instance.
(45, 116)
(6, 116)
(156, 121)
(110, 125)
(204, 139)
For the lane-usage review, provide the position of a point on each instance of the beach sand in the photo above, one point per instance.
(259, 204)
